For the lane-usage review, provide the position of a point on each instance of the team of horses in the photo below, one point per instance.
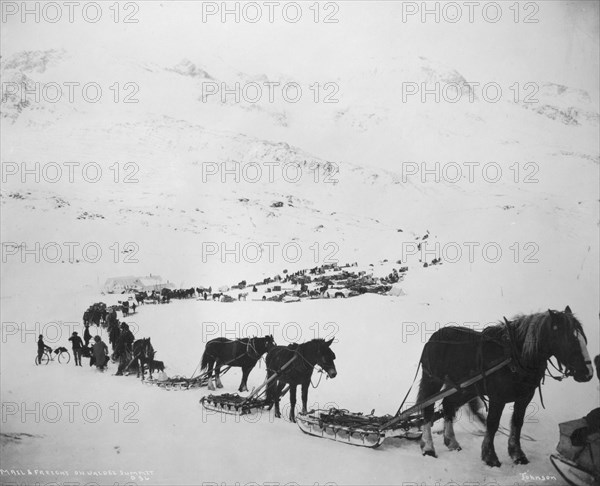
(452, 355)
(525, 344)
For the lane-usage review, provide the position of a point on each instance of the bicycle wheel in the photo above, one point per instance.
(44, 360)
(64, 357)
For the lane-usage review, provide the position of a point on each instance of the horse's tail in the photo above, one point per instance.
(206, 360)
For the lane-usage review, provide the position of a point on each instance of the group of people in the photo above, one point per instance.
(98, 352)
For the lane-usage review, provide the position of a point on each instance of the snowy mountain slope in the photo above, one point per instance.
(544, 218)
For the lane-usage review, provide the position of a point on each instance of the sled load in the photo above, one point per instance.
(182, 383)
(179, 383)
(578, 458)
(232, 403)
(356, 428)
(369, 430)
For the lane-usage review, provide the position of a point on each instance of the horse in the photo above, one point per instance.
(143, 353)
(140, 297)
(299, 372)
(242, 353)
(454, 354)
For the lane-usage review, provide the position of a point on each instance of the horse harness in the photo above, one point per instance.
(304, 362)
(510, 359)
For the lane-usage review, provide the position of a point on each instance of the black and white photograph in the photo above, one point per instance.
(289, 243)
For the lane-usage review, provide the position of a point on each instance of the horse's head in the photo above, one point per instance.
(269, 342)
(262, 345)
(568, 345)
(147, 349)
(326, 358)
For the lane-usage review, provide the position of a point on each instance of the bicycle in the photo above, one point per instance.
(63, 356)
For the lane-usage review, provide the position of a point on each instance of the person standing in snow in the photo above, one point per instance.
(100, 350)
(41, 348)
(124, 348)
(77, 344)
(86, 334)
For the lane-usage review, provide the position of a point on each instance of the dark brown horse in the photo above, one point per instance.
(453, 354)
(299, 371)
(243, 353)
(143, 354)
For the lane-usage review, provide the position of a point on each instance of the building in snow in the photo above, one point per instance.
(119, 285)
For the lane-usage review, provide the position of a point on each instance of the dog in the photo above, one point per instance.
(157, 366)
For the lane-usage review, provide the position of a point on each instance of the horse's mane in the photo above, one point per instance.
(530, 330)
(314, 341)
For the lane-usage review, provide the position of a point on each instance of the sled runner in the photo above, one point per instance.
(179, 383)
(572, 473)
(356, 428)
(232, 403)
(578, 458)
(182, 383)
(371, 431)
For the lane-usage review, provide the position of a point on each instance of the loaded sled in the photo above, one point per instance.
(181, 383)
(578, 457)
(232, 403)
(369, 430)
(358, 429)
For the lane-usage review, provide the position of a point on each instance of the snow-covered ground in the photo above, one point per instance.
(118, 424)
(364, 196)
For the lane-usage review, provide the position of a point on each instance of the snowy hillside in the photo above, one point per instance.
(164, 174)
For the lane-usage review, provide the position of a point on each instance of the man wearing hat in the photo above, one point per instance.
(87, 336)
(41, 348)
(77, 344)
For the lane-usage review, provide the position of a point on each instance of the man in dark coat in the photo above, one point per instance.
(125, 308)
(100, 350)
(41, 348)
(77, 344)
(112, 319)
(124, 348)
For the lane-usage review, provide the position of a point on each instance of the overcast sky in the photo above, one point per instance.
(561, 47)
